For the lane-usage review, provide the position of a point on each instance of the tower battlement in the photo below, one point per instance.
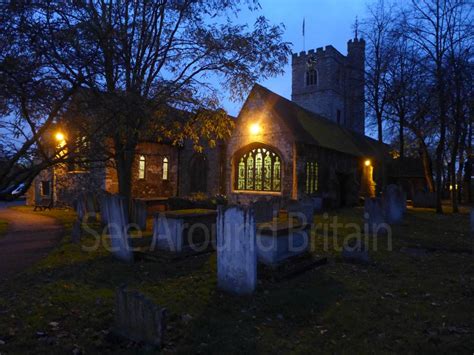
(332, 84)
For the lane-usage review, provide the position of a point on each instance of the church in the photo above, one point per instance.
(311, 145)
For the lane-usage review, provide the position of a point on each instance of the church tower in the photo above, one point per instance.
(330, 84)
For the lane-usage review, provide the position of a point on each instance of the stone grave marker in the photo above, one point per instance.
(264, 210)
(374, 218)
(139, 319)
(424, 199)
(139, 214)
(394, 203)
(236, 250)
(76, 232)
(117, 226)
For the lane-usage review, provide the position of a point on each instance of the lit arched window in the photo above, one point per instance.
(165, 168)
(311, 77)
(312, 171)
(258, 170)
(141, 167)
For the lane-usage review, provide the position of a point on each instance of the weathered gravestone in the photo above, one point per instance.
(355, 251)
(168, 233)
(86, 207)
(117, 226)
(394, 203)
(264, 210)
(139, 214)
(281, 240)
(303, 210)
(76, 232)
(374, 218)
(424, 199)
(139, 319)
(236, 250)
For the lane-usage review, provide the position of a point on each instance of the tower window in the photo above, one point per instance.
(165, 168)
(311, 77)
(141, 167)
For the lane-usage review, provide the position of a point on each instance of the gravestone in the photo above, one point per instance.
(355, 251)
(424, 199)
(76, 232)
(80, 208)
(303, 210)
(117, 226)
(139, 319)
(264, 210)
(374, 219)
(236, 250)
(393, 203)
(139, 214)
(168, 233)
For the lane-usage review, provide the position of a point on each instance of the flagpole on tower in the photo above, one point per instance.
(304, 37)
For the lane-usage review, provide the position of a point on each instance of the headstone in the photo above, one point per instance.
(168, 233)
(264, 210)
(90, 206)
(355, 251)
(117, 225)
(302, 210)
(139, 319)
(393, 203)
(76, 231)
(236, 250)
(424, 199)
(139, 214)
(374, 218)
(80, 208)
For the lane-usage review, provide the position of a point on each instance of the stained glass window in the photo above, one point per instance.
(312, 171)
(258, 170)
(141, 167)
(165, 168)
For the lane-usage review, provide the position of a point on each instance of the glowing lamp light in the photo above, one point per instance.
(255, 128)
(59, 137)
(367, 162)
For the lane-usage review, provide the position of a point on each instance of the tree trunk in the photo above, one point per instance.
(124, 158)
(401, 137)
(379, 127)
(427, 165)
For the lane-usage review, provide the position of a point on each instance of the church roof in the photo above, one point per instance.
(310, 128)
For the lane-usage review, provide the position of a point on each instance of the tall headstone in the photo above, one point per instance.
(168, 233)
(138, 318)
(374, 218)
(139, 214)
(236, 250)
(117, 225)
(264, 210)
(394, 203)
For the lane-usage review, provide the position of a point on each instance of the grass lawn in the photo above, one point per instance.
(398, 304)
(3, 227)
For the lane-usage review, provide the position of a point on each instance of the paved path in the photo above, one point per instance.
(29, 238)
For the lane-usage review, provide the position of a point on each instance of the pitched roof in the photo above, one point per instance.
(310, 128)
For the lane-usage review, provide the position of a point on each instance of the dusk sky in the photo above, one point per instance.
(327, 22)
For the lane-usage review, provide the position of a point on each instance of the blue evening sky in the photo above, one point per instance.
(327, 22)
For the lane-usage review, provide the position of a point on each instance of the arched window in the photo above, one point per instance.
(165, 168)
(312, 171)
(141, 167)
(311, 77)
(258, 169)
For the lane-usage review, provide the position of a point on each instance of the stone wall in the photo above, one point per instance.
(214, 164)
(274, 134)
(339, 87)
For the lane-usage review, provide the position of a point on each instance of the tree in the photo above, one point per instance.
(142, 63)
(141, 58)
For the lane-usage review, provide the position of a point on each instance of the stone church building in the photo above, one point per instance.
(313, 145)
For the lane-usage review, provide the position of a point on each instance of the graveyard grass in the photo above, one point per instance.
(3, 227)
(399, 303)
